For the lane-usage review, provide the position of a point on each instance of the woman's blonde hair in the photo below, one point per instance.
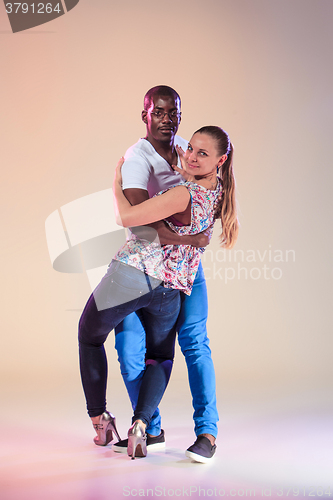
(226, 205)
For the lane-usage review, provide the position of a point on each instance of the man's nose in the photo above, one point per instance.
(166, 118)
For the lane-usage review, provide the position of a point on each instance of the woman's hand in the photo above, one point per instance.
(183, 171)
(119, 198)
(117, 173)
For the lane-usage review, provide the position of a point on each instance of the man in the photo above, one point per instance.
(146, 171)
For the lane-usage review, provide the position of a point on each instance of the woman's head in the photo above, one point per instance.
(218, 155)
(206, 152)
(220, 137)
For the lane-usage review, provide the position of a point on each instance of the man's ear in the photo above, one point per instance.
(144, 116)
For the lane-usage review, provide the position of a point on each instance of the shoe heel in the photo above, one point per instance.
(105, 429)
(108, 434)
(137, 446)
(113, 427)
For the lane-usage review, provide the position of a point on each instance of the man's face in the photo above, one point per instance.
(162, 118)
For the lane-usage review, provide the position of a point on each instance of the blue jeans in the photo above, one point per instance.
(122, 291)
(194, 344)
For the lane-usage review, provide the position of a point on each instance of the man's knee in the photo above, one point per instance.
(193, 338)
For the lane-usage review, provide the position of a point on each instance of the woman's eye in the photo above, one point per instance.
(203, 153)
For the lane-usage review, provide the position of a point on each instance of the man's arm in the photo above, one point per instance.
(165, 234)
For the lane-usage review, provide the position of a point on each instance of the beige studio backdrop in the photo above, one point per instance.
(71, 98)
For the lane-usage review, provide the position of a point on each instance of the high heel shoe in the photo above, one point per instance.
(136, 441)
(105, 429)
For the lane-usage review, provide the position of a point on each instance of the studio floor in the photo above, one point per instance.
(277, 446)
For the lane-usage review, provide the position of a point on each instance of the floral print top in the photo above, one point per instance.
(175, 265)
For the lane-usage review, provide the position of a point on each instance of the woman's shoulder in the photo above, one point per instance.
(200, 188)
(179, 184)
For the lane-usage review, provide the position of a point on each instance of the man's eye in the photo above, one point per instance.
(158, 113)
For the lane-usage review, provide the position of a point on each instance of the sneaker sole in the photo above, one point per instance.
(198, 458)
(150, 447)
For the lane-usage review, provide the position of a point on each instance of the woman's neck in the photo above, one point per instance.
(208, 181)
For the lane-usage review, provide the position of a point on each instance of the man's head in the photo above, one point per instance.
(160, 90)
(161, 114)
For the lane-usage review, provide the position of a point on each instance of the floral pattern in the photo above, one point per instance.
(175, 265)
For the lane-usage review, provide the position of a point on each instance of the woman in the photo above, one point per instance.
(157, 274)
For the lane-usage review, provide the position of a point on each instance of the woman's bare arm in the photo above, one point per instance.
(154, 209)
(166, 235)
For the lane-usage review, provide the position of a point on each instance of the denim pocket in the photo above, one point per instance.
(119, 295)
(170, 301)
(127, 284)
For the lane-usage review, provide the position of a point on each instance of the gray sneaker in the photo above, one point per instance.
(201, 451)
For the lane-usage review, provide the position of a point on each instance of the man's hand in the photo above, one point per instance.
(201, 239)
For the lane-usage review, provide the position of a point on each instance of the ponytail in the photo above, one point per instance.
(226, 206)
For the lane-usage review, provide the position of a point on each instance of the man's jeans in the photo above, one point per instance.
(194, 343)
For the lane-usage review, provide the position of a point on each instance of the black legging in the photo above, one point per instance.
(106, 307)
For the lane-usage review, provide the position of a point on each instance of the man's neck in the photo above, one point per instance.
(165, 149)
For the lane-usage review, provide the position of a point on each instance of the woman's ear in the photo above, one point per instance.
(222, 160)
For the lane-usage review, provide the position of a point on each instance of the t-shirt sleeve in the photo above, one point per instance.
(135, 172)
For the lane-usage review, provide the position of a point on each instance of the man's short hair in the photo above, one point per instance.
(160, 90)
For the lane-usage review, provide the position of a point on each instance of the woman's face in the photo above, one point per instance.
(202, 156)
